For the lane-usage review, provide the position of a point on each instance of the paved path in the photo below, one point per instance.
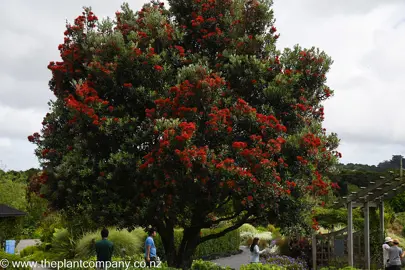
(26, 243)
(235, 261)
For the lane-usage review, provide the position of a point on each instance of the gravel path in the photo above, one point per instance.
(235, 261)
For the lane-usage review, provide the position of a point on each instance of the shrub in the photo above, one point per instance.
(335, 268)
(288, 263)
(265, 238)
(261, 229)
(275, 231)
(48, 226)
(230, 242)
(248, 228)
(63, 244)
(246, 238)
(259, 266)
(41, 255)
(125, 243)
(223, 245)
(28, 251)
(12, 258)
(284, 247)
(206, 265)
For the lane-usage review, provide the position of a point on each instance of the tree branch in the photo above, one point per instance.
(245, 219)
(223, 203)
(227, 218)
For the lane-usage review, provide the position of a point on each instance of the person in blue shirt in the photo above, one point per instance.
(150, 249)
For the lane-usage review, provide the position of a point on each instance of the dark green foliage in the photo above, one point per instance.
(63, 244)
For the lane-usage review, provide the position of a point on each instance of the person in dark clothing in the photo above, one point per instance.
(104, 250)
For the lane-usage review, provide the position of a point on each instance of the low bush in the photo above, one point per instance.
(41, 255)
(206, 265)
(248, 228)
(28, 251)
(286, 262)
(125, 243)
(259, 266)
(12, 258)
(335, 268)
(227, 244)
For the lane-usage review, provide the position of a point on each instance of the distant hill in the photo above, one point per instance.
(352, 176)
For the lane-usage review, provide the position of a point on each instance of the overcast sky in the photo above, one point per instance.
(366, 39)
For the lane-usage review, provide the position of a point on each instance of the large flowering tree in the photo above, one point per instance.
(185, 118)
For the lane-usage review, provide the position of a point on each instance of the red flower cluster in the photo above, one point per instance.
(220, 119)
(158, 68)
(315, 224)
(311, 141)
(183, 98)
(239, 145)
(187, 131)
(181, 51)
(34, 138)
(193, 154)
(319, 187)
(88, 96)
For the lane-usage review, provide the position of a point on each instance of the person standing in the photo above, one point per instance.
(255, 251)
(386, 246)
(395, 254)
(104, 250)
(150, 248)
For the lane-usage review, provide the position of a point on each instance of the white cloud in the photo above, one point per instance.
(366, 39)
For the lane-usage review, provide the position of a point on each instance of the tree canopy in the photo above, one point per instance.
(185, 117)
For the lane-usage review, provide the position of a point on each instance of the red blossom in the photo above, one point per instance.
(158, 68)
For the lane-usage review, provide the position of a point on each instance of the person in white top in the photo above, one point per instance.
(386, 246)
(255, 251)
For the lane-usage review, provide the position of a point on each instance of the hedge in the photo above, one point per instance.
(226, 244)
(12, 258)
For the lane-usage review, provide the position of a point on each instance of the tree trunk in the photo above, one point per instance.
(167, 236)
(189, 243)
(181, 257)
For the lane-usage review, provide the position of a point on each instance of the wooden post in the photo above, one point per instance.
(367, 235)
(350, 233)
(314, 251)
(382, 228)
